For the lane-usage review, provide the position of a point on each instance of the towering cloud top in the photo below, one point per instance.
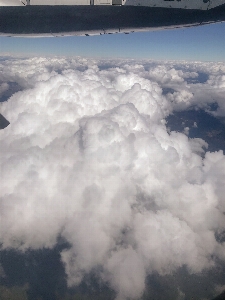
(88, 157)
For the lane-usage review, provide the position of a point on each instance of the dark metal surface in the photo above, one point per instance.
(220, 297)
(3, 122)
(84, 19)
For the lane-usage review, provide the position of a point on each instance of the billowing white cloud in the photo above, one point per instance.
(88, 157)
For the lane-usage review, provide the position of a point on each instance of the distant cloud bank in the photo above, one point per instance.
(88, 157)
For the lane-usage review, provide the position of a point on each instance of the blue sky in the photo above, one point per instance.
(204, 43)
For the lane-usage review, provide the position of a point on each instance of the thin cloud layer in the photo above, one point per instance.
(87, 157)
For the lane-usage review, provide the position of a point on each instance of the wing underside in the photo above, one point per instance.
(32, 18)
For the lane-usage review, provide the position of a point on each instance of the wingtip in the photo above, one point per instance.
(3, 122)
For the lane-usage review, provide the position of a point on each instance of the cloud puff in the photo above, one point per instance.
(88, 157)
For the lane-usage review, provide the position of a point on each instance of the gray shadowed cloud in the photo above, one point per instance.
(88, 157)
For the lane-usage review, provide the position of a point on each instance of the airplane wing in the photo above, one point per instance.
(33, 18)
(220, 297)
(3, 122)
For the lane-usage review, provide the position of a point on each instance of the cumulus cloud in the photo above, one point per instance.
(87, 157)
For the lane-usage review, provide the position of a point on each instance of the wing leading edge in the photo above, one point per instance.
(68, 17)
